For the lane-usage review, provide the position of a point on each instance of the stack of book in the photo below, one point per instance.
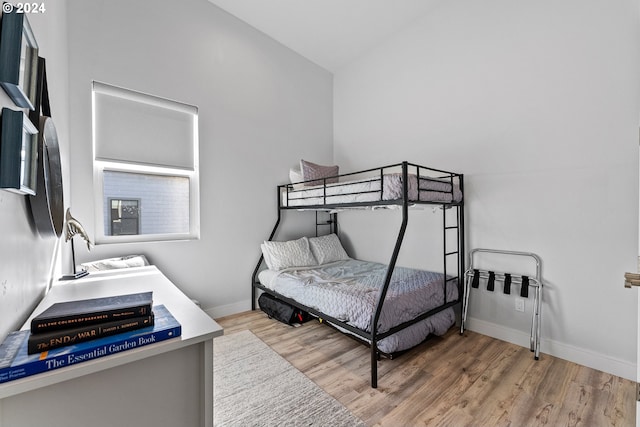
(73, 322)
(76, 331)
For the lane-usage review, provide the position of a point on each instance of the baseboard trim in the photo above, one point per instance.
(581, 356)
(229, 309)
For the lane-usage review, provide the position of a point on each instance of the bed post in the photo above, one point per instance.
(387, 280)
(255, 271)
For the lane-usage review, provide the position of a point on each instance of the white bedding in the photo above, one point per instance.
(348, 291)
(368, 190)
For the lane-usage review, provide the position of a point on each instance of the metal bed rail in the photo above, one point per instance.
(323, 201)
(517, 279)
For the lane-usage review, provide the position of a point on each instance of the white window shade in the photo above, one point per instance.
(144, 129)
(146, 162)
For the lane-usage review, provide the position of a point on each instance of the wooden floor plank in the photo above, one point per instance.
(450, 384)
(456, 380)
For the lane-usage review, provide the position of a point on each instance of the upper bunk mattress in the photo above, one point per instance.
(348, 291)
(369, 190)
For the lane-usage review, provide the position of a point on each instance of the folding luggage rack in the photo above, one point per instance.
(473, 276)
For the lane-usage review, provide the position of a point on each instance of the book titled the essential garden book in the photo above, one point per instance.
(71, 314)
(16, 363)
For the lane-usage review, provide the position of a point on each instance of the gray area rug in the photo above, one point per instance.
(255, 386)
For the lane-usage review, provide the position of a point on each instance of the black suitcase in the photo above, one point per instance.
(280, 310)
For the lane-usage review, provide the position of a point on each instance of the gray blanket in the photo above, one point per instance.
(348, 291)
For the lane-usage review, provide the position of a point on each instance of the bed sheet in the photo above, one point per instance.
(348, 291)
(368, 190)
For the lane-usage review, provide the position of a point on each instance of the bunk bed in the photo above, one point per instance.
(388, 308)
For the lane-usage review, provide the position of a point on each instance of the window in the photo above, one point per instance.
(145, 167)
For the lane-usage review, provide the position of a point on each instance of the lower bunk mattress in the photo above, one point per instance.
(348, 290)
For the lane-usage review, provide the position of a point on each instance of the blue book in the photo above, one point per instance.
(16, 363)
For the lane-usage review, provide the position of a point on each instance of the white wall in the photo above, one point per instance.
(27, 260)
(261, 108)
(537, 103)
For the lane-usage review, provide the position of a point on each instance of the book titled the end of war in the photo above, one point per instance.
(16, 363)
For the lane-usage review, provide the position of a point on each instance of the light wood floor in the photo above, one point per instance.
(469, 380)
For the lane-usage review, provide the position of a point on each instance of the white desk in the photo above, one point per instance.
(169, 383)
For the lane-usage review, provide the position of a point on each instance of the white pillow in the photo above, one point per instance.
(265, 254)
(296, 178)
(293, 253)
(115, 263)
(327, 249)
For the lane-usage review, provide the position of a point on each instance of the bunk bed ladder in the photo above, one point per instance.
(445, 247)
(460, 249)
(332, 222)
(458, 226)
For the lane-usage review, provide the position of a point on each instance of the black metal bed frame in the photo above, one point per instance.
(374, 335)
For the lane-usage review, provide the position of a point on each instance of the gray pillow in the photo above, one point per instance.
(292, 253)
(327, 249)
(312, 171)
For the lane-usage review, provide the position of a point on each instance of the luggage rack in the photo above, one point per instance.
(472, 278)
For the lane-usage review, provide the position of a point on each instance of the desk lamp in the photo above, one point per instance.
(74, 227)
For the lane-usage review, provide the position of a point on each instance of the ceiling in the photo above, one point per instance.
(330, 33)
